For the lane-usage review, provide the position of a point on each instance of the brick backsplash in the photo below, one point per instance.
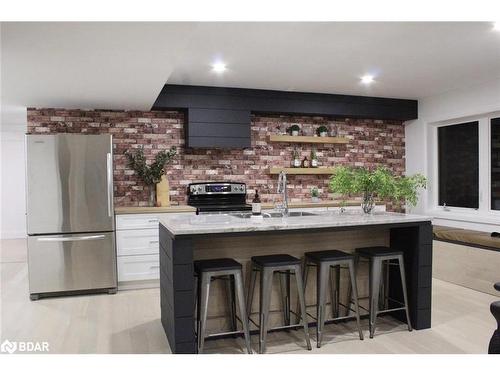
(371, 143)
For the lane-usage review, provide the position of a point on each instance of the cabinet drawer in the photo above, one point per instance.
(140, 221)
(137, 242)
(138, 267)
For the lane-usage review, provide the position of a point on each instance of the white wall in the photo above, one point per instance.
(12, 203)
(457, 104)
(13, 126)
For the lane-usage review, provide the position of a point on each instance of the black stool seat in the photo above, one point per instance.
(497, 286)
(275, 260)
(328, 256)
(213, 265)
(375, 251)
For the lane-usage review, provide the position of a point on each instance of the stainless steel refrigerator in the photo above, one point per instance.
(70, 220)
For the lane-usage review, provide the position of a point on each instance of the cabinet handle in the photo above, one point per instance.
(152, 220)
(71, 239)
(154, 241)
(153, 267)
(109, 174)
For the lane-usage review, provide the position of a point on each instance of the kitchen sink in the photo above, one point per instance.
(269, 215)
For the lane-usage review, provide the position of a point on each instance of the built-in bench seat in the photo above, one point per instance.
(466, 257)
(467, 237)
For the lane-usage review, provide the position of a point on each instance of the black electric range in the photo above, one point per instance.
(212, 197)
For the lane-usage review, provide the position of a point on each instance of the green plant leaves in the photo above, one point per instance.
(380, 182)
(150, 174)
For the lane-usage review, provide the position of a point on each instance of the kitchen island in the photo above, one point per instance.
(184, 239)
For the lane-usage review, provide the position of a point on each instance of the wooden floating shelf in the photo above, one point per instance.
(306, 139)
(277, 170)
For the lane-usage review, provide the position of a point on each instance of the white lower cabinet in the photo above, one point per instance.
(138, 267)
(138, 246)
(137, 242)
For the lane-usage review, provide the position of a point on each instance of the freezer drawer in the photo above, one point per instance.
(60, 263)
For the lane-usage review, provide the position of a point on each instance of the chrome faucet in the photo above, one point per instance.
(283, 190)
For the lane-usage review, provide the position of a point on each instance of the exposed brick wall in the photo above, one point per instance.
(372, 142)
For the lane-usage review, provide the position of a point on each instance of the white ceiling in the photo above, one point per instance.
(124, 65)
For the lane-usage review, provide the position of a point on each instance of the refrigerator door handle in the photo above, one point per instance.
(109, 166)
(67, 239)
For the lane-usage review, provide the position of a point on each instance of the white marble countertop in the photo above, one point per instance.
(227, 223)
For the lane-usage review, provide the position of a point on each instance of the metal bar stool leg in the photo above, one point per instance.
(354, 288)
(266, 283)
(203, 307)
(302, 301)
(305, 275)
(403, 285)
(284, 278)
(241, 303)
(386, 286)
(230, 289)
(349, 291)
(335, 290)
(198, 304)
(252, 278)
(376, 270)
(321, 290)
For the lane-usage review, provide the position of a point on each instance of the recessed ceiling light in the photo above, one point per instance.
(219, 67)
(367, 79)
(496, 26)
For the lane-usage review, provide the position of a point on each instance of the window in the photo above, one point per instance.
(458, 165)
(495, 163)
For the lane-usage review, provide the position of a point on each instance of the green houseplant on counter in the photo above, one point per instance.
(150, 174)
(380, 183)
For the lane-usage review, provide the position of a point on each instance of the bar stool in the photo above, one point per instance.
(328, 264)
(231, 271)
(267, 265)
(378, 257)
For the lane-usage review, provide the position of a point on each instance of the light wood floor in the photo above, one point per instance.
(129, 322)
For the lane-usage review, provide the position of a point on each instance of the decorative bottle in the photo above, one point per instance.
(256, 206)
(314, 158)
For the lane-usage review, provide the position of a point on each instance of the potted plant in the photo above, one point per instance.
(322, 131)
(150, 174)
(379, 182)
(315, 194)
(293, 130)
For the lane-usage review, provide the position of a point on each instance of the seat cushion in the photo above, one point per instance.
(328, 256)
(370, 252)
(466, 237)
(275, 260)
(220, 264)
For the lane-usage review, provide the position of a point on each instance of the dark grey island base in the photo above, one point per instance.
(178, 244)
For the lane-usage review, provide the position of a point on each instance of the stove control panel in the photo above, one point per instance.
(208, 188)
